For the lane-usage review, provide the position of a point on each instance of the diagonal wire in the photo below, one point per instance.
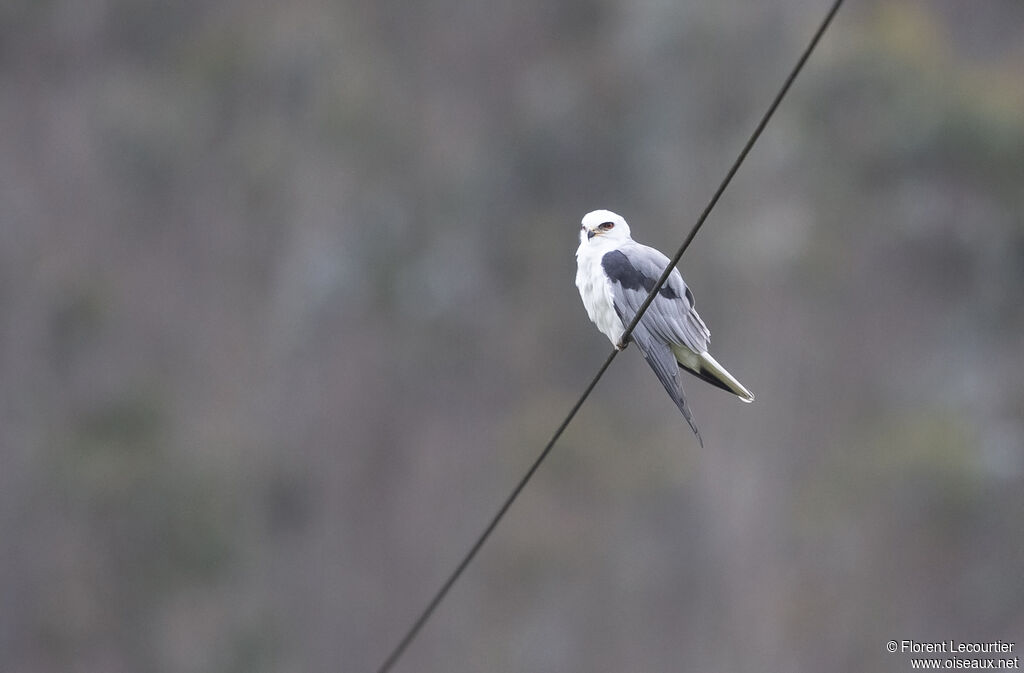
(414, 630)
(783, 90)
(443, 591)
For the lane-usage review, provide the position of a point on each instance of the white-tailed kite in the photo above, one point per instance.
(614, 275)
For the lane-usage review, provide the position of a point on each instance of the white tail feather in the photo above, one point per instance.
(719, 372)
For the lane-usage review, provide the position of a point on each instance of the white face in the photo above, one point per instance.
(602, 226)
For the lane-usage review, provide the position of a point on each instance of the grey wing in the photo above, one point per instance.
(634, 269)
(669, 320)
(661, 359)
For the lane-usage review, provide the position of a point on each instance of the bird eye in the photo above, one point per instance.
(606, 226)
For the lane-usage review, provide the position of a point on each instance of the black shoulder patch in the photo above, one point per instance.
(620, 270)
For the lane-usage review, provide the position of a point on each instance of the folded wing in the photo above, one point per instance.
(669, 321)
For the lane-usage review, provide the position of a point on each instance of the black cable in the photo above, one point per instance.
(439, 596)
(400, 648)
(735, 167)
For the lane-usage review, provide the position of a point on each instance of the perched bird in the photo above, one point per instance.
(614, 275)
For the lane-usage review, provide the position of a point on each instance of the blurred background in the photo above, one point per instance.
(287, 307)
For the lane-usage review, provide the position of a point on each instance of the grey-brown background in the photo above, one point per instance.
(287, 306)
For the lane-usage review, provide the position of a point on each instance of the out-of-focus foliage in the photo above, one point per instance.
(286, 307)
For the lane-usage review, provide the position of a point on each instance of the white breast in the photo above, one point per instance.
(596, 292)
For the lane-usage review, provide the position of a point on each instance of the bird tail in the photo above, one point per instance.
(705, 367)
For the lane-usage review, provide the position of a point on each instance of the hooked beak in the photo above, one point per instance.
(591, 234)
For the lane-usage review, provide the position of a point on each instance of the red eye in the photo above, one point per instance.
(606, 226)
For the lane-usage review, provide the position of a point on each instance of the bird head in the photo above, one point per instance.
(603, 226)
